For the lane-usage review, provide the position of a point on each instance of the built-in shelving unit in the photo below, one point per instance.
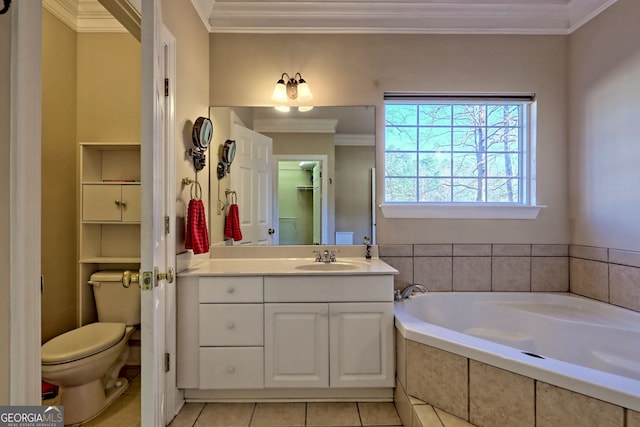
(109, 215)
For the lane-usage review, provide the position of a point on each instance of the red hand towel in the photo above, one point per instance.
(232, 225)
(197, 236)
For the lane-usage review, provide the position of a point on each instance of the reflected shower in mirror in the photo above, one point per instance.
(318, 186)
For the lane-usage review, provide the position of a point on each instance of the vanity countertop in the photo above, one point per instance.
(288, 266)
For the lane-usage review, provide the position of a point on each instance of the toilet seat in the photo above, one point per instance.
(82, 342)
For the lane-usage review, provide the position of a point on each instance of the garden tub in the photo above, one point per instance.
(572, 342)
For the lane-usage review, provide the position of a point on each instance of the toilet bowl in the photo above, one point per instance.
(85, 362)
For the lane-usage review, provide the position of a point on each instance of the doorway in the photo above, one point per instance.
(300, 199)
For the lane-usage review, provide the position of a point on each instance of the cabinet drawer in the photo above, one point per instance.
(231, 367)
(328, 288)
(230, 289)
(231, 324)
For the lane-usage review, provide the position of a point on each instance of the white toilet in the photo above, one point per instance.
(85, 362)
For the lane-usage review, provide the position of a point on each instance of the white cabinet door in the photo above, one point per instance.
(131, 203)
(296, 345)
(111, 203)
(362, 344)
(101, 202)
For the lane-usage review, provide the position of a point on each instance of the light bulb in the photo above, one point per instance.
(280, 92)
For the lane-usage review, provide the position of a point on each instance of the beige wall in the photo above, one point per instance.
(192, 100)
(604, 89)
(358, 69)
(5, 99)
(59, 212)
(108, 87)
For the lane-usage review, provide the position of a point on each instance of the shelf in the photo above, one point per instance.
(110, 260)
(111, 222)
(112, 182)
(304, 187)
(112, 145)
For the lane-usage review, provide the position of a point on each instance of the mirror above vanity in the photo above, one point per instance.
(321, 172)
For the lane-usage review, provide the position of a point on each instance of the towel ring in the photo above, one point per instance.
(234, 196)
(198, 189)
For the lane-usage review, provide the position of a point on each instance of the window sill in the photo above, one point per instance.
(459, 211)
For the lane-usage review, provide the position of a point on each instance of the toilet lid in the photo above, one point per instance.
(82, 342)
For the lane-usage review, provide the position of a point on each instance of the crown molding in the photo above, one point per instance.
(407, 17)
(582, 11)
(355, 139)
(84, 16)
(368, 16)
(295, 125)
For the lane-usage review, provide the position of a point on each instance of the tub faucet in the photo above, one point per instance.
(408, 290)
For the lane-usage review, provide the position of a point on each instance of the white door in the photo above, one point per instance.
(157, 257)
(361, 342)
(252, 181)
(296, 345)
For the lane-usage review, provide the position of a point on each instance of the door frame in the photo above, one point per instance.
(324, 191)
(25, 205)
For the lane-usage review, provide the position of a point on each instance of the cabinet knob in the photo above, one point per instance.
(117, 202)
(231, 325)
(231, 369)
(123, 203)
(231, 289)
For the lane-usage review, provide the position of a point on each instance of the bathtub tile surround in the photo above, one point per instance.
(471, 273)
(511, 273)
(500, 398)
(549, 274)
(437, 271)
(416, 413)
(608, 275)
(624, 286)
(481, 267)
(589, 278)
(445, 387)
(559, 407)
(496, 397)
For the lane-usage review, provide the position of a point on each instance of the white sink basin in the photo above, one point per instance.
(328, 266)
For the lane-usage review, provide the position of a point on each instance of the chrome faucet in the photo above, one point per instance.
(400, 295)
(325, 256)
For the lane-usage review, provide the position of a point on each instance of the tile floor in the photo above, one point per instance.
(125, 412)
(329, 414)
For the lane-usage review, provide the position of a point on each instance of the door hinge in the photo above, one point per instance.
(166, 87)
(167, 362)
(166, 225)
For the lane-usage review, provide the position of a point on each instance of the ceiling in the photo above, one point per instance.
(359, 16)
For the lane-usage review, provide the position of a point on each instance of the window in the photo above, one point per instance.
(458, 151)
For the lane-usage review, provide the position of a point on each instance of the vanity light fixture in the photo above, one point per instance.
(294, 88)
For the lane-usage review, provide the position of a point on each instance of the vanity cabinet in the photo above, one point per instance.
(297, 345)
(230, 333)
(285, 336)
(329, 345)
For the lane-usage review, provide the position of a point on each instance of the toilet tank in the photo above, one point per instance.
(114, 302)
